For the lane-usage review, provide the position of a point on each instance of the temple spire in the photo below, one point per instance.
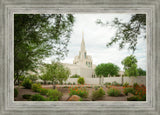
(82, 43)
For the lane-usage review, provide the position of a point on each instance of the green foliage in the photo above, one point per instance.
(43, 91)
(96, 87)
(33, 77)
(54, 94)
(80, 80)
(38, 97)
(98, 94)
(36, 86)
(107, 83)
(125, 84)
(128, 90)
(115, 83)
(37, 36)
(127, 33)
(114, 92)
(80, 92)
(27, 83)
(55, 72)
(15, 92)
(74, 83)
(75, 76)
(106, 69)
(135, 85)
(141, 72)
(130, 65)
(69, 83)
(26, 96)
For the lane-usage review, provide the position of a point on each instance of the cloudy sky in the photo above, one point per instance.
(96, 37)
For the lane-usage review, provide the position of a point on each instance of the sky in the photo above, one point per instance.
(96, 37)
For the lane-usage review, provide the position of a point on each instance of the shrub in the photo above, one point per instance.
(115, 83)
(37, 97)
(140, 91)
(74, 83)
(96, 87)
(135, 85)
(15, 92)
(125, 84)
(36, 86)
(26, 96)
(69, 83)
(107, 83)
(79, 92)
(43, 91)
(27, 83)
(81, 80)
(75, 76)
(98, 94)
(114, 92)
(128, 90)
(52, 98)
(54, 94)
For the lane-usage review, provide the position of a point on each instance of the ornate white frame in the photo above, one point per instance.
(10, 7)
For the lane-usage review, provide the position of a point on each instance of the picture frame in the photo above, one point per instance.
(7, 104)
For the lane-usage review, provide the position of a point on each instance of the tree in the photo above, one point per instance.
(37, 36)
(106, 70)
(127, 32)
(130, 66)
(55, 72)
(141, 72)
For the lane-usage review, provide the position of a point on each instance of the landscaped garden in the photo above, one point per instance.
(29, 91)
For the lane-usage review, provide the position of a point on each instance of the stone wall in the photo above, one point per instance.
(130, 80)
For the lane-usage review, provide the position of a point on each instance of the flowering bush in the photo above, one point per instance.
(80, 92)
(140, 93)
(36, 86)
(114, 92)
(125, 84)
(128, 90)
(98, 94)
(80, 80)
(27, 83)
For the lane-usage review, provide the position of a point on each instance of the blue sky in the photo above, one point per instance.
(96, 37)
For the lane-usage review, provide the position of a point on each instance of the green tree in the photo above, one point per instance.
(55, 72)
(130, 66)
(106, 69)
(141, 72)
(127, 32)
(37, 36)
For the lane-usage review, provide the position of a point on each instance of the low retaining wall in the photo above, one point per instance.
(130, 80)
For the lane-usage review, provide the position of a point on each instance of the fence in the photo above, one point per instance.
(130, 80)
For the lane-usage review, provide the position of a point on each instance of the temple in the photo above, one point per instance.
(82, 63)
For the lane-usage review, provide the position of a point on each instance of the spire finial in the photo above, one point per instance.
(82, 34)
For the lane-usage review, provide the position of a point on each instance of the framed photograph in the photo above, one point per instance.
(80, 57)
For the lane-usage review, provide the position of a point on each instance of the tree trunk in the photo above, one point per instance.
(122, 80)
